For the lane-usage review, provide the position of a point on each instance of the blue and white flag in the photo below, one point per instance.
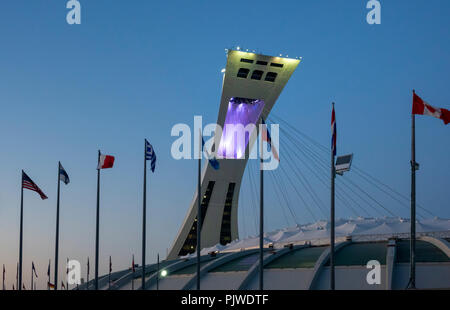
(150, 155)
(213, 160)
(63, 176)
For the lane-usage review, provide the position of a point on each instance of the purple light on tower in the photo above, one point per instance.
(241, 111)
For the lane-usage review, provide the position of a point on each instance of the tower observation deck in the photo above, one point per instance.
(252, 83)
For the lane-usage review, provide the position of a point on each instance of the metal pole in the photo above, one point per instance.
(132, 278)
(87, 283)
(261, 219)
(332, 224)
(97, 224)
(157, 274)
(199, 210)
(144, 216)
(32, 286)
(57, 231)
(19, 272)
(412, 280)
(109, 274)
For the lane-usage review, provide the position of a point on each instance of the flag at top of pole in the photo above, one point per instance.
(63, 176)
(266, 137)
(33, 269)
(423, 108)
(333, 132)
(27, 183)
(211, 158)
(150, 155)
(105, 161)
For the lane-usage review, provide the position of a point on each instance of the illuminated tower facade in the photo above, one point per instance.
(252, 84)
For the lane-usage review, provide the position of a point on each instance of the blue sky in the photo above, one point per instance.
(133, 69)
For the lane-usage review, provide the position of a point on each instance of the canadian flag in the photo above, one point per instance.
(423, 108)
(106, 161)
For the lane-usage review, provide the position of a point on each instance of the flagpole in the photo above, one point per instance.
(132, 270)
(97, 223)
(157, 273)
(199, 210)
(261, 217)
(87, 276)
(48, 270)
(57, 230)
(19, 272)
(332, 215)
(412, 279)
(67, 274)
(144, 215)
(109, 274)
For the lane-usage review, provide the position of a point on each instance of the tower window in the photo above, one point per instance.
(190, 243)
(262, 63)
(243, 73)
(250, 61)
(274, 64)
(225, 231)
(271, 76)
(257, 75)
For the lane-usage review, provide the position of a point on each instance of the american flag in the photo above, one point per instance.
(27, 183)
(333, 132)
(150, 155)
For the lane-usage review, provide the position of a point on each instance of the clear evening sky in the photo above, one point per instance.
(133, 69)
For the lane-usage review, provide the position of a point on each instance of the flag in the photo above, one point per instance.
(88, 267)
(48, 270)
(150, 155)
(67, 266)
(33, 269)
(333, 132)
(62, 285)
(50, 285)
(27, 183)
(422, 108)
(266, 137)
(110, 264)
(212, 159)
(4, 272)
(23, 287)
(132, 264)
(63, 176)
(106, 161)
(14, 288)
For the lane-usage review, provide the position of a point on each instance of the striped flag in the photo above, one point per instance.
(50, 285)
(63, 176)
(333, 132)
(266, 137)
(27, 183)
(150, 155)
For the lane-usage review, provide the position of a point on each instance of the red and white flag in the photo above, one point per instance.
(105, 161)
(422, 108)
